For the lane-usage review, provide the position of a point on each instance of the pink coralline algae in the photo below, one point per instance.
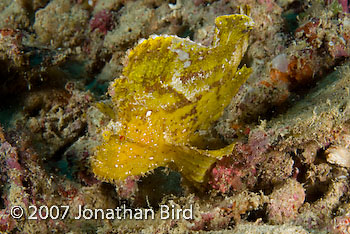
(343, 3)
(213, 219)
(229, 173)
(225, 178)
(102, 21)
(15, 173)
(341, 224)
(128, 188)
(285, 202)
(339, 46)
(270, 5)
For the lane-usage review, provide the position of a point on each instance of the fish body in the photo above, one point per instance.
(171, 92)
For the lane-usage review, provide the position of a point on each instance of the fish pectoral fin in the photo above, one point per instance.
(219, 153)
(194, 163)
(116, 160)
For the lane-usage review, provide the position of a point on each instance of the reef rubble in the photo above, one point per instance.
(286, 172)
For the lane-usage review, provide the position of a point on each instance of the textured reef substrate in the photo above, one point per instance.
(288, 171)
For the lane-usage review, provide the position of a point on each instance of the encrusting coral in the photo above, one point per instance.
(171, 92)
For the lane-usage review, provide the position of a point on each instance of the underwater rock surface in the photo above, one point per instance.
(286, 127)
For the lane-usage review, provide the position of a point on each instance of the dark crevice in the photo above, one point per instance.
(254, 215)
(321, 156)
(58, 163)
(316, 191)
(266, 187)
(2, 189)
(118, 8)
(185, 31)
(158, 185)
(109, 190)
(2, 202)
(339, 206)
(28, 185)
(299, 168)
(10, 105)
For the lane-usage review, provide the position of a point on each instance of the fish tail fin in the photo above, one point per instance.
(194, 163)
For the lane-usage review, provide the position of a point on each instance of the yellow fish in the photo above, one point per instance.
(171, 92)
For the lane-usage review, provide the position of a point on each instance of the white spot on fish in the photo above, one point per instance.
(187, 64)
